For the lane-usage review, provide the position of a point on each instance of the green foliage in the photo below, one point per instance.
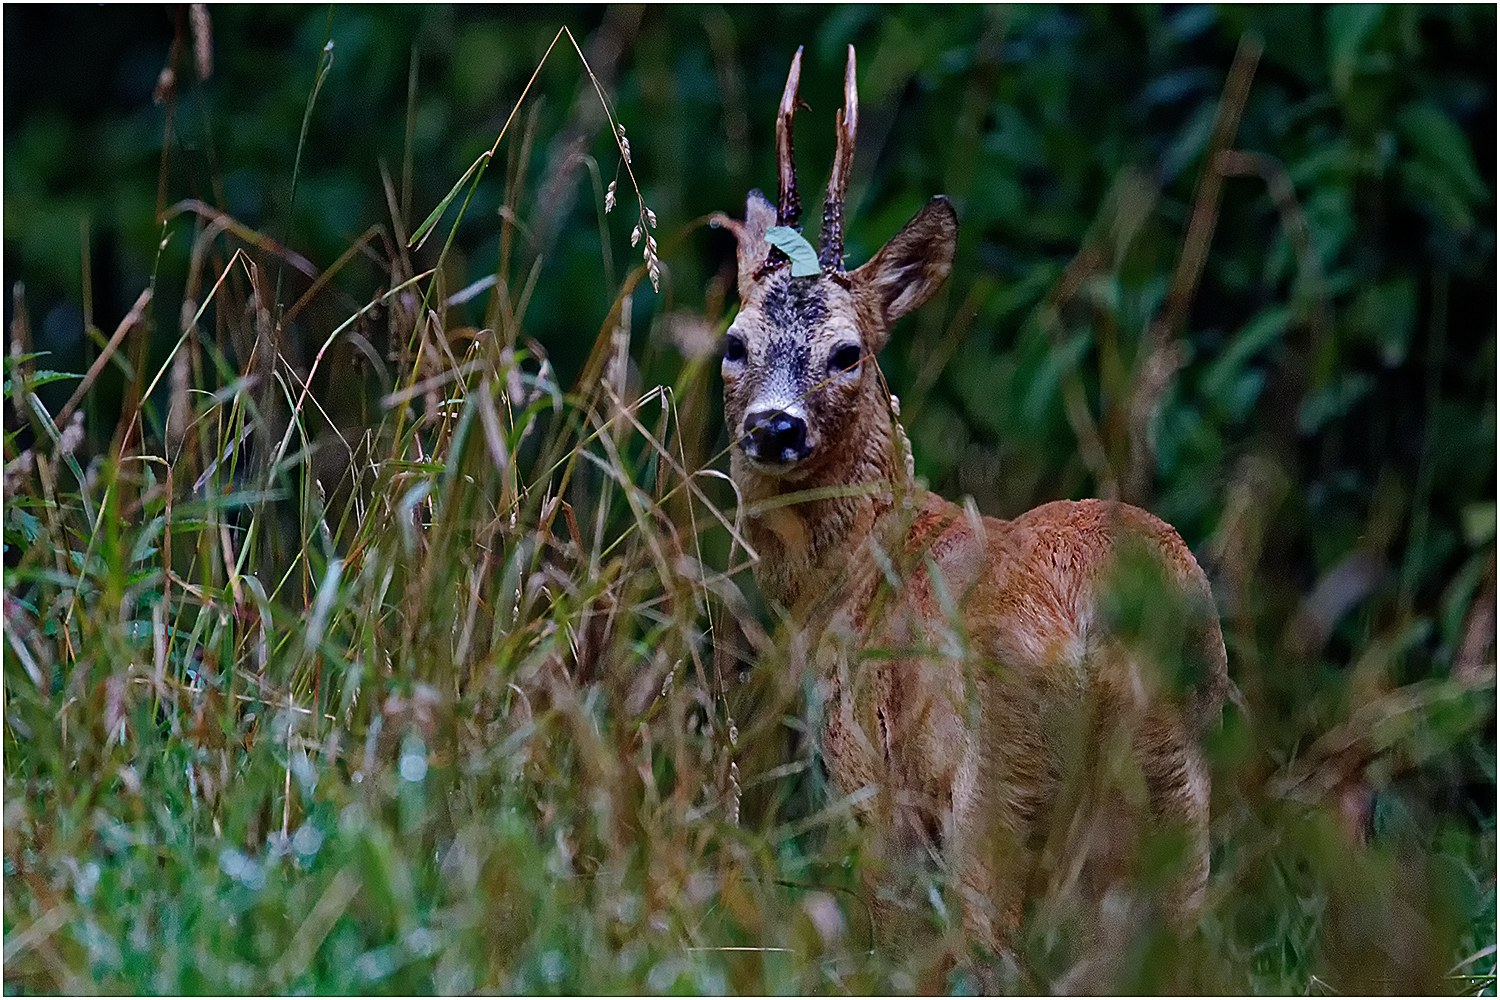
(379, 624)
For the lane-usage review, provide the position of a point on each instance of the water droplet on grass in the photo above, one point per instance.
(413, 767)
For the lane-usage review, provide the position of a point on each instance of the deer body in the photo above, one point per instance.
(999, 667)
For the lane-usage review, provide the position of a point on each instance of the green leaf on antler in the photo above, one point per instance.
(792, 243)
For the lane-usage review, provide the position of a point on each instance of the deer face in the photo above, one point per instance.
(799, 359)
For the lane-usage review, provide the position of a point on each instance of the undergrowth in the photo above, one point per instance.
(473, 694)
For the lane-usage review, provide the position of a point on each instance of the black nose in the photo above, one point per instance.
(775, 436)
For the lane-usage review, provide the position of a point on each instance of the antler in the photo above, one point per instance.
(831, 256)
(788, 205)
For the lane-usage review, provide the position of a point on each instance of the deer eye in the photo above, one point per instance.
(845, 359)
(734, 348)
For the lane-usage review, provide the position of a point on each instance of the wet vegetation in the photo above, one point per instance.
(376, 618)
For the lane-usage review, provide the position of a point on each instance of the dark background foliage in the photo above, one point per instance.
(1314, 410)
(1381, 119)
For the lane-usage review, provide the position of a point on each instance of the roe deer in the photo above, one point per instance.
(1005, 663)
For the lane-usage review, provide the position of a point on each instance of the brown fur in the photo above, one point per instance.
(1009, 728)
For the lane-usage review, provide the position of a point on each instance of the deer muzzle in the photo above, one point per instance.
(775, 437)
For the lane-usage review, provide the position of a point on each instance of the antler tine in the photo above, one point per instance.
(831, 256)
(788, 205)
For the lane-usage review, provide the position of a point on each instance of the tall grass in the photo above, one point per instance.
(452, 680)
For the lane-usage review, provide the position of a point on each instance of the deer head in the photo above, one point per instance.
(799, 369)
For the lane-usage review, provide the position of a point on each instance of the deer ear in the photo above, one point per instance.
(910, 268)
(760, 215)
(750, 236)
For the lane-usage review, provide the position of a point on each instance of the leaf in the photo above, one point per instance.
(41, 378)
(1333, 401)
(15, 359)
(1385, 313)
(1257, 335)
(1479, 523)
(30, 528)
(1190, 142)
(1349, 25)
(420, 236)
(1439, 141)
(1433, 191)
(790, 242)
(145, 546)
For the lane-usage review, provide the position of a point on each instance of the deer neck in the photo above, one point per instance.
(813, 548)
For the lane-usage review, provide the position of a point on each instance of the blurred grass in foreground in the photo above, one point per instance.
(328, 676)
